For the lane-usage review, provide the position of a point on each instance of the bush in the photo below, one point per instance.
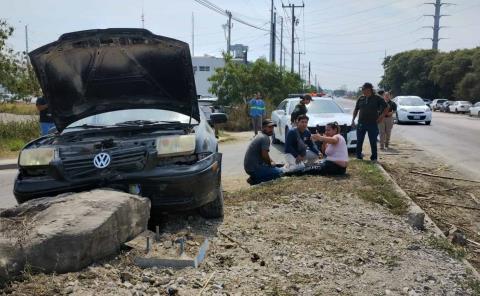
(15, 134)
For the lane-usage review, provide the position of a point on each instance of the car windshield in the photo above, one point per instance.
(146, 116)
(324, 106)
(411, 101)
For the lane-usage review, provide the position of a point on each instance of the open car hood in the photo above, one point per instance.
(90, 72)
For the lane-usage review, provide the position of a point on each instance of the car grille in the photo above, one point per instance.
(417, 112)
(128, 160)
(344, 129)
(418, 118)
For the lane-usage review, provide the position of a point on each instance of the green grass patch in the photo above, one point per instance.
(363, 180)
(15, 134)
(441, 243)
(19, 109)
(376, 188)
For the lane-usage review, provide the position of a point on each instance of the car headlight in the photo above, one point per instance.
(403, 110)
(175, 145)
(36, 156)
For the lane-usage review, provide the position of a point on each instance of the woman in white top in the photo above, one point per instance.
(335, 149)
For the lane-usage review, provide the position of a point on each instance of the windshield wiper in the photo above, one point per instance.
(88, 126)
(145, 122)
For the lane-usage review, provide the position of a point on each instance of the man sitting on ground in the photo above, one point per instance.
(300, 151)
(257, 163)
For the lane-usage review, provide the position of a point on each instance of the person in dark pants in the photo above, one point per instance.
(257, 162)
(46, 120)
(300, 108)
(371, 109)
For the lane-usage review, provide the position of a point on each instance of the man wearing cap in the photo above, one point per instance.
(257, 162)
(300, 108)
(371, 109)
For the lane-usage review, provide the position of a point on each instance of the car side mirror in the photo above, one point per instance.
(217, 118)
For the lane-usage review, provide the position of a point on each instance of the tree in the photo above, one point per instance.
(16, 74)
(236, 82)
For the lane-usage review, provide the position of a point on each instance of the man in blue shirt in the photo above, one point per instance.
(257, 112)
(46, 119)
(300, 151)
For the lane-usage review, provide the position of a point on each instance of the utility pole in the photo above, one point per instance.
(193, 35)
(293, 6)
(436, 22)
(272, 34)
(26, 45)
(316, 83)
(299, 53)
(309, 69)
(281, 42)
(229, 24)
(143, 19)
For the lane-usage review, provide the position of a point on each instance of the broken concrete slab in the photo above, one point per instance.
(68, 232)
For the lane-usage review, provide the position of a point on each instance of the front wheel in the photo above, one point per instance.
(398, 120)
(428, 122)
(456, 111)
(213, 209)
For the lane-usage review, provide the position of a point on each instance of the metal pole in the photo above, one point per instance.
(274, 27)
(293, 37)
(229, 30)
(193, 35)
(309, 74)
(436, 25)
(281, 41)
(271, 34)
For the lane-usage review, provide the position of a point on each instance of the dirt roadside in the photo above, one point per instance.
(448, 202)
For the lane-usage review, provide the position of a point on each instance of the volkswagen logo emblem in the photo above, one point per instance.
(101, 160)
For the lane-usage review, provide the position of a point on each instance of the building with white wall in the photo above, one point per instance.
(203, 68)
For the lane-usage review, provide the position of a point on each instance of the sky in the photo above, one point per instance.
(345, 41)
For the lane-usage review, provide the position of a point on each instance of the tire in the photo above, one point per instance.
(398, 121)
(478, 114)
(213, 209)
(456, 111)
(428, 122)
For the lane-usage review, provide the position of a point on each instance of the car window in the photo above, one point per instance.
(114, 117)
(292, 105)
(282, 106)
(324, 106)
(411, 101)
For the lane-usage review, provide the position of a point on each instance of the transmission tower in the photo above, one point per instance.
(436, 22)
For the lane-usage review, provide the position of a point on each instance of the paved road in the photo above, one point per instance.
(454, 138)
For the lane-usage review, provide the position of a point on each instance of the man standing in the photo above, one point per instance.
(257, 162)
(372, 109)
(257, 112)
(300, 108)
(300, 151)
(46, 120)
(386, 125)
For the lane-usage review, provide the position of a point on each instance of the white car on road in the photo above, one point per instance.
(412, 109)
(321, 111)
(460, 106)
(475, 110)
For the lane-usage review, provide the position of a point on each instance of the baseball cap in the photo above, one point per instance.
(306, 97)
(268, 122)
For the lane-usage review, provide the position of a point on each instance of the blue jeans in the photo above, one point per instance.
(45, 126)
(362, 129)
(265, 173)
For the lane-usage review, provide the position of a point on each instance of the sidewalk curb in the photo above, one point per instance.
(414, 207)
(8, 166)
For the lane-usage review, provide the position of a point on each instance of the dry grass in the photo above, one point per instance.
(19, 109)
(15, 134)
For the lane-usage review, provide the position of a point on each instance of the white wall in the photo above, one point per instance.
(203, 68)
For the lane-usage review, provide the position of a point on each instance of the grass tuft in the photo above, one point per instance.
(441, 243)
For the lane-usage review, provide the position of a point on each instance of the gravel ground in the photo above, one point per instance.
(323, 241)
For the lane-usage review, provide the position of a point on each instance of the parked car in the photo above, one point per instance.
(321, 111)
(445, 106)
(475, 110)
(412, 109)
(437, 103)
(123, 121)
(460, 107)
(428, 102)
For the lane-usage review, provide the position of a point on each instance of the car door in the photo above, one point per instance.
(277, 117)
